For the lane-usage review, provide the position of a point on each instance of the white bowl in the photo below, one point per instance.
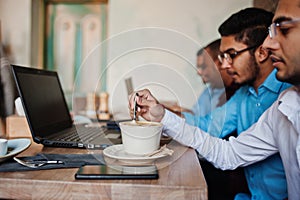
(141, 137)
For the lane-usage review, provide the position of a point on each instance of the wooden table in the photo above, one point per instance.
(180, 177)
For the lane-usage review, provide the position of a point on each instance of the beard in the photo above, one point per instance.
(253, 69)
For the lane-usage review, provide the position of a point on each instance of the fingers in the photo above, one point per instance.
(135, 103)
(138, 113)
(131, 100)
(147, 95)
(147, 106)
(141, 94)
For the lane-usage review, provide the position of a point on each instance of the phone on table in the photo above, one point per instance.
(117, 172)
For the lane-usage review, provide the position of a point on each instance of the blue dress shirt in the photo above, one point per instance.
(266, 179)
(206, 103)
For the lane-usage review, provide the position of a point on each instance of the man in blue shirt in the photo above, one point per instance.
(219, 88)
(249, 64)
(218, 81)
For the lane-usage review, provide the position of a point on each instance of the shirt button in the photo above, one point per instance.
(254, 196)
(252, 175)
(258, 104)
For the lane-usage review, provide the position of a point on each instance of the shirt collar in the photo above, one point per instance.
(290, 97)
(272, 83)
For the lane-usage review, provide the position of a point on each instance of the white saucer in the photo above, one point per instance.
(15, 146)
(117, 152)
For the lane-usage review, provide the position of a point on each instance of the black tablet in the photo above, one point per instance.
(117, 172)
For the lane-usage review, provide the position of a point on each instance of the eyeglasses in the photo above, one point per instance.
(229, 56)
(283, 27)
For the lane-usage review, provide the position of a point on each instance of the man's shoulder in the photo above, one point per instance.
(289, 94)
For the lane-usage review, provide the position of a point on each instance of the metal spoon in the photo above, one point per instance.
(36, 164)
(135, 108)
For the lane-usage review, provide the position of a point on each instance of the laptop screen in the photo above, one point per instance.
(43, 100)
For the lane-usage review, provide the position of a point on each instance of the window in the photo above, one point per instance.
(69, 31)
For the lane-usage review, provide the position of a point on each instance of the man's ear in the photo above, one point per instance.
(262, 54)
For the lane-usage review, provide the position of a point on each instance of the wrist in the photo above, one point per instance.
(163, 113)
(158, 112)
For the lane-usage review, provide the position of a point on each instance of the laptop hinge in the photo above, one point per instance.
(38, 139)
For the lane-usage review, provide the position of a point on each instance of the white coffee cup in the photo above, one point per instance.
(3, 147)
(140, 137)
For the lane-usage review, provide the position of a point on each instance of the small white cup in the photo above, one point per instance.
(141, 137)
(3, 147)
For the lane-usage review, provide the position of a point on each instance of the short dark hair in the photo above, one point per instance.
(249, 26)
(200, 51)
(214, 48)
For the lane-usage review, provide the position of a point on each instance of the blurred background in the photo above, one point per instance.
(95, 45)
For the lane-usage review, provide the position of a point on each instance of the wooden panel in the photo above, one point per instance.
(17, 126)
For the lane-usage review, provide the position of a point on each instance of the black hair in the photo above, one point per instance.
(200, 51)
(249, 26)
(214, 48)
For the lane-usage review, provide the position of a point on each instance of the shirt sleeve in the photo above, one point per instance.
(251, 146)
(190, 118)
(200, 108)
(223, 120)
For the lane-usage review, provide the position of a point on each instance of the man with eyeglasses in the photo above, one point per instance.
(218, 81)
(276, 131)
(220, 88)
(249, 64)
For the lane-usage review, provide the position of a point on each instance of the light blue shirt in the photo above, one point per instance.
(206, 103)
(266, 179)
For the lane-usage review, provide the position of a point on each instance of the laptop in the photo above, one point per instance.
(48, 115)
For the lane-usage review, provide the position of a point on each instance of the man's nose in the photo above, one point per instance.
(271, 43)
(200, 71)
(225, 64)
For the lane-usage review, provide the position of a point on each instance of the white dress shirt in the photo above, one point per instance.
(277, 130)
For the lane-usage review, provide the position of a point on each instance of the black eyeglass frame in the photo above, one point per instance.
(230, 56)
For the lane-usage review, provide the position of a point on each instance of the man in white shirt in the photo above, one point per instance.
(277, 130)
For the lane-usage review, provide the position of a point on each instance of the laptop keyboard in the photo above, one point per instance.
(81, 133)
